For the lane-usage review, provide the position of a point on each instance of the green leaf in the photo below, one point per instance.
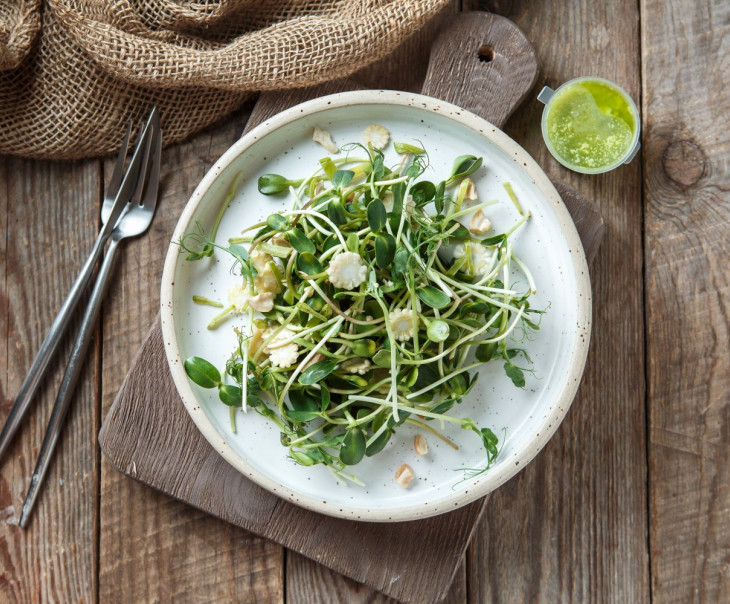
(325, 398)
(463, 166)
(353, 446)
(379, 443)
(336, 212)
(515, 374)
(302, 416)
(328, 166)
(277, 222)
(384, 249)
(330, 242)
(433, 297)
(363, 348)
(203, 373)
(273, 184)
(438, 331)
(301, 458)
(458, 384)
(353, 243)
(438, 198)
(494, 240)
(377, 216)
(230, 395)
(443, 406)
(400, 262)
(402, 148)
(479, 308)
(301, 401)
(423, 192)
(382, 358)
(342, 178)
(485, 352)
(317, 372)
(300, 242)
(309, 264)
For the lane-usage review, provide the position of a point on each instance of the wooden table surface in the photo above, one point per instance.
(629, 501)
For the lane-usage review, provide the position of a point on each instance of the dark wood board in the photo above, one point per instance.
(151, 438)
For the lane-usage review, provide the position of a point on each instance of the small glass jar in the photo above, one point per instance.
(590, 125)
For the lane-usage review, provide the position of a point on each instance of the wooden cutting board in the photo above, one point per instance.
(483, 63)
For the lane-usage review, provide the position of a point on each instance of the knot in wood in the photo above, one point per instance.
(684, 162)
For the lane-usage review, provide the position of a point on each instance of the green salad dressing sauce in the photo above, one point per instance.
(590, 124)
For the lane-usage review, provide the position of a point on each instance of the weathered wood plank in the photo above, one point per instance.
(50, 215)
(687, 242)
(152, 547)
(573, 525)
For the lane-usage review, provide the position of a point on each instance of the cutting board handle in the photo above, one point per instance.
(484, 63)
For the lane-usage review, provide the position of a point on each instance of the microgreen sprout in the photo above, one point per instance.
(379, 306)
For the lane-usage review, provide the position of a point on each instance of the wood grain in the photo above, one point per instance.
(194, 473)
(687, 242)
(573, 525)
(55, 558)
(153, 548)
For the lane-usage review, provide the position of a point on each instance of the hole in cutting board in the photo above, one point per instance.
(485, 53)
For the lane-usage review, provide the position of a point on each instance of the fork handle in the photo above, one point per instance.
(70, 379)
(50, 345)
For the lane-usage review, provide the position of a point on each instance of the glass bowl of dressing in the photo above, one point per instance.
(590, 125)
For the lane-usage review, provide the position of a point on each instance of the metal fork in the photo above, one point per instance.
(120, 190)
(137, 217)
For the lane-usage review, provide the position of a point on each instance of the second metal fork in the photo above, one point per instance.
(134, 221)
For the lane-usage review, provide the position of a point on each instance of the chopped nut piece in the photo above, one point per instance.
(262, 302)
(260, 260)
(480, 224)
(403, 475)
(266, 281)
(471, 190)
(257, 338)
(376, 135)
(420, 444)
(324, 138)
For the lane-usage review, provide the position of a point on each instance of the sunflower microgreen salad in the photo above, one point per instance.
(371, 302)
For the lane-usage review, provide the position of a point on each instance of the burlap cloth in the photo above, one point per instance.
(72, 72)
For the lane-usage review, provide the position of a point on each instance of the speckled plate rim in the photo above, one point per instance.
(486, 482)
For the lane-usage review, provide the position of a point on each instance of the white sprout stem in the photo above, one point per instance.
(382, 183)
(244, 381)
(509, 330)
(377, 434)
(393, 392)
(474, 208)
(321, 217)
(479, 295)
(309, 357)
(458, 343)
(528, 274)
(424, 413)
(404, 209)
(309, 330)
(446, 378)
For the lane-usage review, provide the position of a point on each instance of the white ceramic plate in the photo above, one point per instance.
(549, 244)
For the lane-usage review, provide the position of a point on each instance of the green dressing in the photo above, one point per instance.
(590, 124)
